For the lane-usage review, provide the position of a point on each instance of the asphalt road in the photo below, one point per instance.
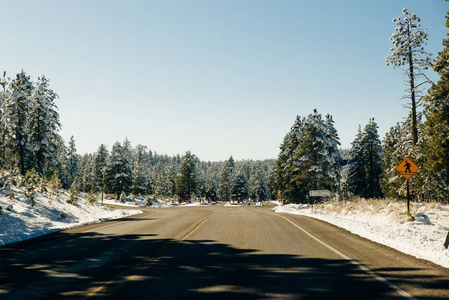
(214, 252)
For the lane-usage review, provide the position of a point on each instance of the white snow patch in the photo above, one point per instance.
(20, 221)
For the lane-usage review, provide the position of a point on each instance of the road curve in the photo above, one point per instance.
(214, 252)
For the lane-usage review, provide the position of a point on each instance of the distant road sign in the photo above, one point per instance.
(407, 168)
(320, 193)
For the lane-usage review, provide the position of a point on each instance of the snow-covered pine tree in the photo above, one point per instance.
(270, 182)
(331, 144)
(15, 108)
(409, 40)
(285, 186)
(126, 150)
(140, 174)
(257, 186)
(171, 171)
(4, 93)
(200, 178)
(356, 181)
(100, 162)
(118, 175)
(365, 169)
(226, 184)
(313, 166)
(160, 189)
(84, 181)
(164, 174)
(240, 183)
(42, 127)
(62, 153)
(372, 148)
(186, 180)
(436, 110)
(212, 177)
(391, 178)
(72, 162)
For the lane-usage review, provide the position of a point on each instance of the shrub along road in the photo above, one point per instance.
(218, 252)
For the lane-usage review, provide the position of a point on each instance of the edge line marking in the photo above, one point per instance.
(360, 266)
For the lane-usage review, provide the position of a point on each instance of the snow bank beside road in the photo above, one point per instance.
(384, 222)
(20, 221)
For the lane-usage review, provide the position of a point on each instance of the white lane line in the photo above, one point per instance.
(360, 266)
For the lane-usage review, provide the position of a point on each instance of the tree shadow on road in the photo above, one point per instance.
(146, 267)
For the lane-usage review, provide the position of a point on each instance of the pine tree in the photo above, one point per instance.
(118, 175)
(257, 186)
(43, 125)
(62, 171)
(161, 189)
(409, 41)
(100, 162)
(315, 159)
(139, 165)
(240, 184)
(15, 108)
(4, 94)
(83, 181)
(201, 186)
(356, 171)
(308, 157)
(365, 169)
(285, 186)
(187, 175)
(212, 177)
(373, 152)
(333, 157)
(436, 110)
(391, 178)
(72, 164)
(226, 184)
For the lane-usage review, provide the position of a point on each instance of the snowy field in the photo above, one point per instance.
(20, 221)
(385, 222)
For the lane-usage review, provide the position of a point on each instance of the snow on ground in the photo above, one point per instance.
(20, 221)
(385, 222)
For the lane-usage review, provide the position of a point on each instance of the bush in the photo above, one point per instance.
(54, 185)
(42, 185)
(91, 197)
(73, 196)
(6, 180)
(30, 182)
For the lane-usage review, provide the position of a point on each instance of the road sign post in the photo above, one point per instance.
(320, 193)
(407, 168)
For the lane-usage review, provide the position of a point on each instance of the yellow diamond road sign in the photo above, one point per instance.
(407, 168)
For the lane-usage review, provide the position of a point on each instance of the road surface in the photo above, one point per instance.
(214, 252)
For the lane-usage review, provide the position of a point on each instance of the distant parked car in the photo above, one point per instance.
(258, 204)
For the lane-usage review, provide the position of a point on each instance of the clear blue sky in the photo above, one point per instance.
(219, 78)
